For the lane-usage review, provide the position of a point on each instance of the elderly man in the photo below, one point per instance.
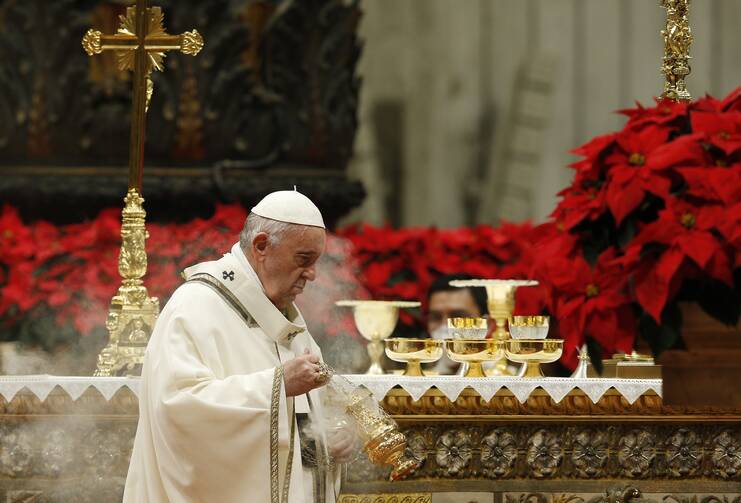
(229, 367)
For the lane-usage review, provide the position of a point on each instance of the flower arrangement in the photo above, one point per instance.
(56, 282)
(652, 217)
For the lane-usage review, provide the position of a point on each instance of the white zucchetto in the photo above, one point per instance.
(289, 206)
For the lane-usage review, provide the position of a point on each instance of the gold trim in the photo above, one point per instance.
(386, 498)
(274, 439)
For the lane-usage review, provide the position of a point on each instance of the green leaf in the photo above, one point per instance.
(664, 336)
(720, 301)
(595, 352)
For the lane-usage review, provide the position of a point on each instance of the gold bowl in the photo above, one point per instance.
(529, 327)
(474, 352)
(414, 352)
(533, 352)
(467, 328)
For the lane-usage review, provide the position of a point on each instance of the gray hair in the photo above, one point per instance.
(255, 224)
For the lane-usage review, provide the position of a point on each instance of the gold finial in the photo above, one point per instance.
(677, 40)
(192, 43)
(91, 42)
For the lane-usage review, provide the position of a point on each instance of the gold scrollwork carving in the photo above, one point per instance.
(677, 40)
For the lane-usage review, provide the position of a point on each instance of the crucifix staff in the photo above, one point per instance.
(141, 43)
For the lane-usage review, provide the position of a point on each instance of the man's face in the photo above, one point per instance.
(286, 266)
(456, 303)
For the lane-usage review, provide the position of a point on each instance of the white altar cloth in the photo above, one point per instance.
(521, 387)
(379, 385)
(74, 386)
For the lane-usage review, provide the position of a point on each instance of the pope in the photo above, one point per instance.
(231, 366)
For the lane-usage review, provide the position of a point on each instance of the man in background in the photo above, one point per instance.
(445, 301)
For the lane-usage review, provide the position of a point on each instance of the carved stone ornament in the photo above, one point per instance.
(726, 455)
(589, 452)
(636, 453)
(498, 453)
(683, 453)
(544, 453)
(453, 452)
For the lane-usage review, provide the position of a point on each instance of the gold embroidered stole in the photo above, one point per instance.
(236, 304)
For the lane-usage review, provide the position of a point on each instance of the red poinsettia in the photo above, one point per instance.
(637, 166)
(687, 232)
(589, 301)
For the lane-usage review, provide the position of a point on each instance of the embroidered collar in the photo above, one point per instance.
(246, 286)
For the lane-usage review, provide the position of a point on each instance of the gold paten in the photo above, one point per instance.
(140, 44)
(533, 352)
(376, 320)
(677, 40)
(474, 352)
(414, 352)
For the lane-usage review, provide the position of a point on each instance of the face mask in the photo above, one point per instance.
(440, 332)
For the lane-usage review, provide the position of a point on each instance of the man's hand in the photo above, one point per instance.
(300, 374)
(341, 444)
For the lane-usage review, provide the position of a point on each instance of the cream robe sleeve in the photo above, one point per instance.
(208, 386)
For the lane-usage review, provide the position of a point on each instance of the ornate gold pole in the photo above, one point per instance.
(677, 41)
(140, 43)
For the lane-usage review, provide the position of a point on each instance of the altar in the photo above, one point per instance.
(502, 439)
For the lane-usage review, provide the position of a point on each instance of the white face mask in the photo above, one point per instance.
(440, 332)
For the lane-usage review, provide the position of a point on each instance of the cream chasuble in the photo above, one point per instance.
(204, 432)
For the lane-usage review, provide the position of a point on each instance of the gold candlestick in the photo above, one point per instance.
(677, 40)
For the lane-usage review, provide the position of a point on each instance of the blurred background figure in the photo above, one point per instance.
(445, 301)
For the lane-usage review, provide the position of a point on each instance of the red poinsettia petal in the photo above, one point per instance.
(654, 282)
(623, 199)
(700, 246)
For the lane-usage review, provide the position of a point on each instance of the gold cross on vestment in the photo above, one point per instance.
(140, 44)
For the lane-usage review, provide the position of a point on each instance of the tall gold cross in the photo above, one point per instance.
(141, 43)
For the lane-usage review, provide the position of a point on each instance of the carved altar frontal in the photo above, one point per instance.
(66, 439)
(517, 448)
(69, 439)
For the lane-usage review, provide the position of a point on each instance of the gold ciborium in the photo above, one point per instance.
(529, 327)
(376, 320)
(473, 353)
(467, 328)
(414, 352)
(533, 352)
(500, 295)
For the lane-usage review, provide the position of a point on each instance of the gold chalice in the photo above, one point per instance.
(500, 295)
(376, 320)
(414, 352)
(533, 352)
(529, 327)
(473, 352)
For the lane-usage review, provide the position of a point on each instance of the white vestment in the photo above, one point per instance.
(204, 432)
